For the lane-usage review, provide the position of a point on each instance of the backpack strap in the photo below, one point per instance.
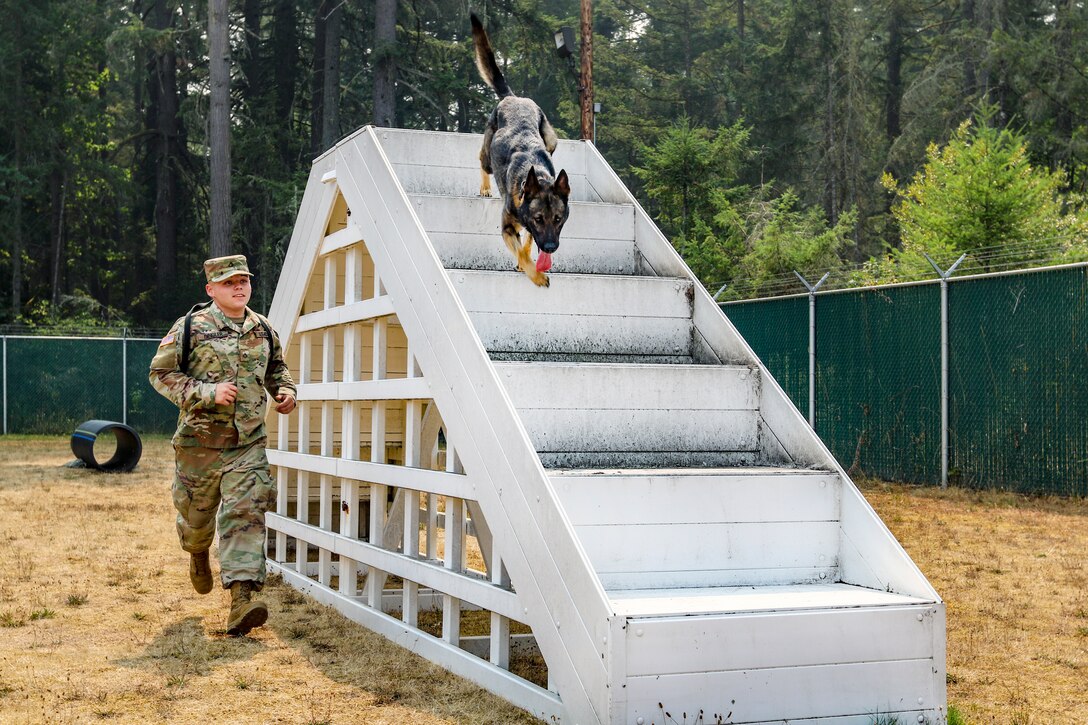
(187, 334)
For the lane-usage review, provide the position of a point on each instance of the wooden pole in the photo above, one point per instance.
(587, 69)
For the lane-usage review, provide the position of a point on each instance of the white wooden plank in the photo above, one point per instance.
(666, 547)
(749, 495)
(540, 702)
(341, 239)
(641, 430)
(573, 294)
(673, 645)
(659, 602)
(350, 515)
(369, 309)
(624, 581)
(389, 389)
(317, 202)
(303, 462)
(330, 291)
(647, 387)
(427, 574)
(599, 335)
(416, 479)
(870, 554)
(789, 693)
(576, 255)
(428, 148)
(480, 216)
(317, 391)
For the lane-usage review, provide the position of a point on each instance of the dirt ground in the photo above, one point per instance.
(98, 621)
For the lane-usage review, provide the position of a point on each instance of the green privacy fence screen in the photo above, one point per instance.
(52, 384)
(1018, 376)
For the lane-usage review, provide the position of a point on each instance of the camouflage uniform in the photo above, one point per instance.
(220, 456)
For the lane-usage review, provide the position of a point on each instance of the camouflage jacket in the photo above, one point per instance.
(220, 351)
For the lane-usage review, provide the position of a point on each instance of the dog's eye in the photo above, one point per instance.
(539, 218)
(558, 218)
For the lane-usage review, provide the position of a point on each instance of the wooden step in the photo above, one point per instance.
(597, 238)
(449, 164)
(578, 314)
(647, 529)
(587, 410)
(830, 653)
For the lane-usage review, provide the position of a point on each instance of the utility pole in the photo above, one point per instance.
(587, 69)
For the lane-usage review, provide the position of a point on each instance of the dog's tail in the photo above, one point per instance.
(485, 60)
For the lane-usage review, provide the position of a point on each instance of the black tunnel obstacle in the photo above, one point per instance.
(124, 459)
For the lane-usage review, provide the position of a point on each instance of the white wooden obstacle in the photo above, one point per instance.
(642, 494)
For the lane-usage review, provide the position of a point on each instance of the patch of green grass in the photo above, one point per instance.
(43, 613)
(955, 717)
(1082, 631)
(176, 680)
(139, 616)
(8, 619)
(77, 600)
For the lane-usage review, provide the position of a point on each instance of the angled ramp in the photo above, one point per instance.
(591, 499)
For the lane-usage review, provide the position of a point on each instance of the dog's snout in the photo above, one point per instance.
(549, 247)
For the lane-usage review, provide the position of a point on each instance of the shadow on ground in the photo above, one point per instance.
(186, 649)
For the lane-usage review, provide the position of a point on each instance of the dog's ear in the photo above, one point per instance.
(562, 184)
(532, 184)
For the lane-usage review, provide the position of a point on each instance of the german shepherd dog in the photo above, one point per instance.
(517, 148)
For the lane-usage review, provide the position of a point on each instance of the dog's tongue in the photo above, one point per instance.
(543, 262)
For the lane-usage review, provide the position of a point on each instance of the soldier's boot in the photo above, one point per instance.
(200, 572)
(246, 613)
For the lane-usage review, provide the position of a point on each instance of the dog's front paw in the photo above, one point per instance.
(485, 190)
(540, 280)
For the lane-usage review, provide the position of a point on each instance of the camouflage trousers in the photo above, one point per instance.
(231, 487)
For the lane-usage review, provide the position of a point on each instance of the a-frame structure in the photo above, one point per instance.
(591, 499)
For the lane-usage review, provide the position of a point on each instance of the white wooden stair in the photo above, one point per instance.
(644, 496)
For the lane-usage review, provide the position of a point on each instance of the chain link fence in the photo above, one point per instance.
(1017, 367)
(51, 384)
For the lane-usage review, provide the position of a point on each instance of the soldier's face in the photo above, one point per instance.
(231, 295)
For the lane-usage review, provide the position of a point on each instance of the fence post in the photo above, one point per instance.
(124, 375)
(5, 383)
(944, 275)
(811, 344)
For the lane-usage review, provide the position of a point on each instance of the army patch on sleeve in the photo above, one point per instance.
(167, 340)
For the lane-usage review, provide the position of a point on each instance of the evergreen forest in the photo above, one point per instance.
(764, 136)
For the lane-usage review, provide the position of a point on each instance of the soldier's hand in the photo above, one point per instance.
(225, 393)
(286, 403)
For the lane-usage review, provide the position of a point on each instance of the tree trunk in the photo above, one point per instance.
(830, 155)
(587, 68)
(317, 84)
(385, 73)
(252, 68)
(164, 105)
(970, 81)
(58, 193)
(219, 128)
(740, 19)
(330, 116)
(17, 197)
(893, 57)
(284, 44)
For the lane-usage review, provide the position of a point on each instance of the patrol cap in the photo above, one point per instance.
(221, 268)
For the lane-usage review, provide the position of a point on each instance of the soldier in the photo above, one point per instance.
(219, 386)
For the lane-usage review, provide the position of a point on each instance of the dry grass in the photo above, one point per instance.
(98, 620)
(1012, 571)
